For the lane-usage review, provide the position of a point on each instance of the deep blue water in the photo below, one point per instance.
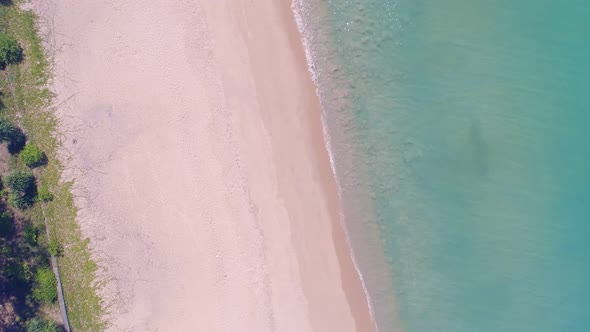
(466, 129)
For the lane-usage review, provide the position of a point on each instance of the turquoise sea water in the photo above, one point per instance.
(461, 139)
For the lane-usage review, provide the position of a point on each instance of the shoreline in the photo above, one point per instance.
(203, 177)
(346, 252)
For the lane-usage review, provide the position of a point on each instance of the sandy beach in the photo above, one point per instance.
(192, 130)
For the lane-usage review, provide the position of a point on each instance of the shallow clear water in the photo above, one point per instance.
(461, 135)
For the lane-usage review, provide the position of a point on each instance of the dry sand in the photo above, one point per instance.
(194, 134)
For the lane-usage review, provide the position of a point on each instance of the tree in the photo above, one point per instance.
(31, 155)
(10, 51)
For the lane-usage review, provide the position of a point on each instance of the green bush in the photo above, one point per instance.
(39, 325)
(17, 141)
(18, 272)
(45, 289)
(27, 272)
(15, 137)
(30, 234)
(10, 50)
(23, 189)
(20, 181)
(31, 155)
(44, 195)
(6, 130)
(54, 248)
(13, 271)
(19, 201)
(5, 251)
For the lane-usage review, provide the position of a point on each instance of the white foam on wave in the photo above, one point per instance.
(300, 11)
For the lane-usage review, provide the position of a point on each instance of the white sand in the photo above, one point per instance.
(202, 179)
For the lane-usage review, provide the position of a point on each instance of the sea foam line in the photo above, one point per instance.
(299, 11)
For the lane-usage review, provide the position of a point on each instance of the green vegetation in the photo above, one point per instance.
(44, 195)
(18, 201)
(6, 130)
(13, 135)
(6, 224)
(23, 189)
(45, 286)
(54, 248)
(38, 325)
(31, 156)
(30, 235)
(20, 181)
(28, 150)
(10, 50)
